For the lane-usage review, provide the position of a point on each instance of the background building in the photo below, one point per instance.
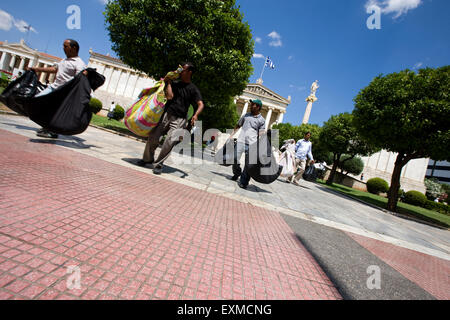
(439, 170)
(16, 56)
(122, 85)
(381, 165)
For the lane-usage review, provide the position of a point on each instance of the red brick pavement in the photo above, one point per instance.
(430, 273)
(137, 236)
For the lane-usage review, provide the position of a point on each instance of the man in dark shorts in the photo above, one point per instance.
(180, 94)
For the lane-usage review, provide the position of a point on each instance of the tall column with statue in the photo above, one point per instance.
(311, 99)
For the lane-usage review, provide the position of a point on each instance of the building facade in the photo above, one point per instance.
(439, 170)
(274, 105)
(122, 85)
(16, 56)
(381, 165)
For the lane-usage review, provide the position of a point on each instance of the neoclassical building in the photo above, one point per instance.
(122, 85)
(16, 56)
(381, 165)
(274, 105)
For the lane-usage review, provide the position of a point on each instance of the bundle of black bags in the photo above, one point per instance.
(262, 165)
(64, 111)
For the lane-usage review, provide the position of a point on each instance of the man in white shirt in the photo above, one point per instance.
(111, 110)
(303, 151)
(65, 71)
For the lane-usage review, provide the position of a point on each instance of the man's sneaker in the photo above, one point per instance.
(157, 170)
(144, 164)
(47, 134)
(296, 183)
(241, 185)
(235, 177)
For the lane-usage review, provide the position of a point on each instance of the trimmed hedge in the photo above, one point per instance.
(119, 113)
(415, 198)
(4, 83)
(95, 105)
(438, 207)
(377, 185)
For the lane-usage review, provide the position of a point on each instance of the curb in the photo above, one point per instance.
(12, 113)
(395, 214)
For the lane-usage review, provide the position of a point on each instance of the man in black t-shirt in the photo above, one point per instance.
(180, 95)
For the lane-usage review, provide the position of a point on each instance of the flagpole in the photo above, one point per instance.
(264, 67)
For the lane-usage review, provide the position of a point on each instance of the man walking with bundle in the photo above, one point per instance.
(65, 71)
(303, 151)
(180, 95)
(252, 124)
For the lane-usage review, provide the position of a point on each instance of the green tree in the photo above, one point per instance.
(407, 113)
(351, 165)
(154, 36)
(340, 137)
(221, 116)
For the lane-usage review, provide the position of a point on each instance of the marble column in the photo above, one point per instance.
(52, 77)
(12, 62)
(245, 109)
(32, 62)
(269, 115)
(118, 82)
(3, 60)
(22, 63)
(126, 83)
(138, 76)
(43, 75)
(307, 113)
(280, 117)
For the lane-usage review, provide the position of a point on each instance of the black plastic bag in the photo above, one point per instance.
(310, 173)
(64, 111)
(25, 86)
(226, 156)
(266, 169)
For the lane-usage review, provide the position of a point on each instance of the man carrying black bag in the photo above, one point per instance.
(252, 124)
(65, 71)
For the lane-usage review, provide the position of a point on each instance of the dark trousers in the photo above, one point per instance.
(167, 125)
(237, 171)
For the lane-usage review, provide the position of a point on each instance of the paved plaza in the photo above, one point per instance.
(191, 233)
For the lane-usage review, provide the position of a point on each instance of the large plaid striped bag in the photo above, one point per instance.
(146, 112)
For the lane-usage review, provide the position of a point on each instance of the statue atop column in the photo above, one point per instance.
(311, 99)
(314, 87)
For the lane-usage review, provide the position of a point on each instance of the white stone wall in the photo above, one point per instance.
(382, 164)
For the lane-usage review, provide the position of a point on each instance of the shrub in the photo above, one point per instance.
(119, 113)
(353, 166)
(377, 185)
(95, 105)
(1, 90)
(438, 207)
(445, 188)
(415, 198)
(4, 83)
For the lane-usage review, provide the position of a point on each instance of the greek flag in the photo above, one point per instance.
(269, 63)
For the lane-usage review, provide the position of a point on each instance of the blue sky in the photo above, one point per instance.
(325, 40)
